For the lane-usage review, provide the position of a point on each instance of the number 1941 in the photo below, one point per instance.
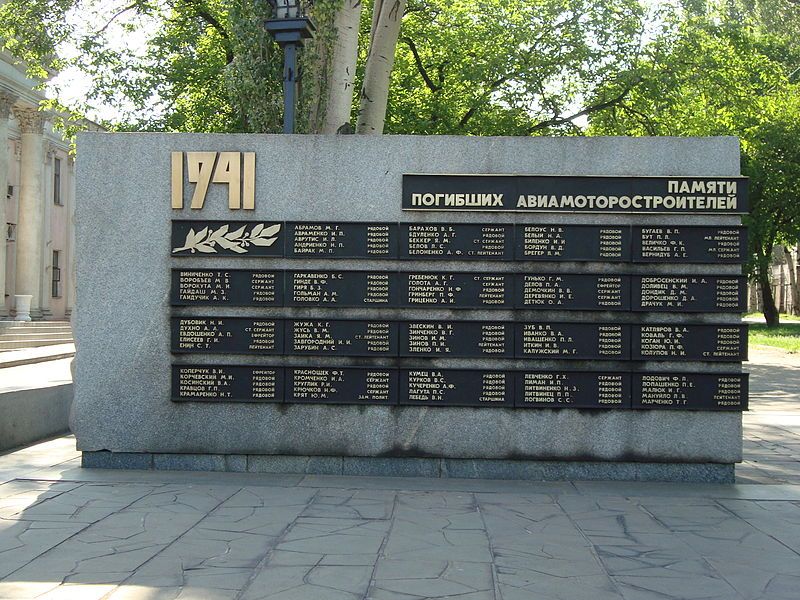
(236, 169)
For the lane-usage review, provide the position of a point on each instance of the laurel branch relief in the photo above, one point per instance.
(206, 240)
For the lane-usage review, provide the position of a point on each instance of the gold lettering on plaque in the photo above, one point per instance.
(200, 166)
(229, 170)
(235, 169)
(249, 181)
(177, 180)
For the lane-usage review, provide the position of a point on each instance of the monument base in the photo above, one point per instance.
(460, 468)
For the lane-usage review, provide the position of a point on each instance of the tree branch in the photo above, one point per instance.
(492, 87)
(644, 119)
(115, 16)
(586, 111)
(420, 67)
(201, 11)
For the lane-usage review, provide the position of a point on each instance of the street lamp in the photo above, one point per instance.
(290, 28)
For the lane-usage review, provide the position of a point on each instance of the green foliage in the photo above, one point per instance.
(506, 67)
(33, 30)
(772, 160)
(199, 66)
(487, 67)
(722, 72)
(780, 18)
(705, 78)
(208, 67)
(315, 64)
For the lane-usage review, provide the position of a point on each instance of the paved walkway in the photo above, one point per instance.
(35, 375)
(28, 356)
(772, 427)
(70, 533)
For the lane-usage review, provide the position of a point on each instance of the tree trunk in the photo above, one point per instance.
(342, 70)
(375, 91)
(319, 69)
(771, 314)
(794, 293)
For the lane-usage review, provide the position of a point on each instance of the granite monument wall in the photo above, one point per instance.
(329, 330)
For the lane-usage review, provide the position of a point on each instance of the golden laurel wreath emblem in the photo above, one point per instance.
(206, 240)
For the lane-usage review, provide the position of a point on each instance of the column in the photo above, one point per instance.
(70, 271)
(46, 270)
(6, 102)
(30, 238)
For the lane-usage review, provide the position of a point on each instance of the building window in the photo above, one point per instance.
(11, 232)
(10, 192)
(56, 274)
(57, 182)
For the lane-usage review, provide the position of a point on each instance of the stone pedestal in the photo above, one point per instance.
(22, 306)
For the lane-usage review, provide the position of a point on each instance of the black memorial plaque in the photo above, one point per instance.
(690, 391)
(575, 194)
(679, 341)
(227, 335)
(341, 385)
(457, 339)
(444, 289)
(366, 289)
(688, 293)
(653, 244)
(341, 240)
(566, 291)
(572, 389)
(227, 238)
(606, 243)
(231, 287)
(456, 241)
(579, 341)
(456, 387)
(223, 383)
(342, 337)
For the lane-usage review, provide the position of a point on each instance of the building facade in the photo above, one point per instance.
(38, 176)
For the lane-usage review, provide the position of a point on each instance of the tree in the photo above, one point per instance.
(334, 76)
(772, 160)
(710, 75)
(201, 65)
(387, 16)
(776, 17)
(509, 67)
(435, 66)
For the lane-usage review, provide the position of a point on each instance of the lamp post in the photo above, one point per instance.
(290, 28)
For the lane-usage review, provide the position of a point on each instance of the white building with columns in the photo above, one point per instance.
(38, 176)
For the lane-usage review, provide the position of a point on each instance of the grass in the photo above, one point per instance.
(785, 336)
(784, 317)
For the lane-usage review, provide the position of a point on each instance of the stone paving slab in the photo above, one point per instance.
(132, 540)
(68, 533)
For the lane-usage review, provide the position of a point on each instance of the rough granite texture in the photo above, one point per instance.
(121, 327)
